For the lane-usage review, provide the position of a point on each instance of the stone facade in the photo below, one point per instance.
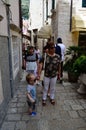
(10, 38)
(4, 66)
(61, 22)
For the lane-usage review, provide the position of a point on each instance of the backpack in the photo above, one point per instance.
(58, 50)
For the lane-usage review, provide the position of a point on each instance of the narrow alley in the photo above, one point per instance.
(26, 23)
(69, 112)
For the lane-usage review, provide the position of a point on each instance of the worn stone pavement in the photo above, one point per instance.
(69, 112)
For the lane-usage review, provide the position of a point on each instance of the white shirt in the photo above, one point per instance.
(63, 49)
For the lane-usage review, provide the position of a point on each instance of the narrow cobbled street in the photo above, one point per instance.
(69, 112)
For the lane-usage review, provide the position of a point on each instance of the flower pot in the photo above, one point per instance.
(82, 84)
(72, 77)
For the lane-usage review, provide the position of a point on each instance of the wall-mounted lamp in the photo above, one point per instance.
(1, 17)
(6, 2)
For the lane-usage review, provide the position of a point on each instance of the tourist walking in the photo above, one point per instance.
(52, 63)
(31, 93)
(31, 61)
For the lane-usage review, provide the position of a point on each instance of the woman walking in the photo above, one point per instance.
(52, 63)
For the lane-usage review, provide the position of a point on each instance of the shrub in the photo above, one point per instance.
(71, 56)
(79, 65)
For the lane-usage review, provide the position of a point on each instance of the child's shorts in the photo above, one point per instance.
(30, 104)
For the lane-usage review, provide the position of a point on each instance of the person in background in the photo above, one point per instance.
(63, 50)
(58, 52)
(31, 61)
(31, 93)
(37, 51)
(50, 73)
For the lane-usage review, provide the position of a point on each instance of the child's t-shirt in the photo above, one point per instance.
(32, 90)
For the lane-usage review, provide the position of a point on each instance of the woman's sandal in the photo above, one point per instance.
(44, 102)
(52, 101)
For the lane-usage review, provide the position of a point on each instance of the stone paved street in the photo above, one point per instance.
(69, 112)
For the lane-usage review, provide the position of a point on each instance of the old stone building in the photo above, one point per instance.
(10, 52)
(69, 21)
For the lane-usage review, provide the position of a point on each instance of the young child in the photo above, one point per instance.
(31, 93)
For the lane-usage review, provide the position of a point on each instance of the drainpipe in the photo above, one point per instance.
(43, 13)
(71, 6)
(21, 24)
(46, 10)
(9, 48)
(43, 22)
(20, 15)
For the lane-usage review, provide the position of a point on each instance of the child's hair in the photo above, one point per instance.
(28, 77)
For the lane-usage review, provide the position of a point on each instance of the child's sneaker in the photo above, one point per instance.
(33, 114)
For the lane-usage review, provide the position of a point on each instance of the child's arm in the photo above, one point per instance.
(30, 98)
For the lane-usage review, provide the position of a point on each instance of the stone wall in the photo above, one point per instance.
(4, 66)
(61, 22)
(5, 86)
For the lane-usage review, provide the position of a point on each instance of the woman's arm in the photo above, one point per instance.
(40, 69)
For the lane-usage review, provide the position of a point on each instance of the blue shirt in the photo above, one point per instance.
(32, 90)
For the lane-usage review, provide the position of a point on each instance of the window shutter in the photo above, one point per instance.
(83, 3)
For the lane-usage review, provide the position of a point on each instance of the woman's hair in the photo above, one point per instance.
(51, 44)
(30, 47)
(29, 76)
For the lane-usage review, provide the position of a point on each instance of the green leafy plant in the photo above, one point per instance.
(71, 56)
(76, 50)
(72, 53)
(79, 65)
(70, 65)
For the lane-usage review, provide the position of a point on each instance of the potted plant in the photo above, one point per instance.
(79, 67)
(71, 56)
(72, 53)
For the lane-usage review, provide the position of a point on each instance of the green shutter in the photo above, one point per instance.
(53, 4)
(25, 9)
(83, 3)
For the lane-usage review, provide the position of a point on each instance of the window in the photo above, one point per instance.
(83, 3)
(82, 38)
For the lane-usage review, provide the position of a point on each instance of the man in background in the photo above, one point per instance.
(63, 49)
